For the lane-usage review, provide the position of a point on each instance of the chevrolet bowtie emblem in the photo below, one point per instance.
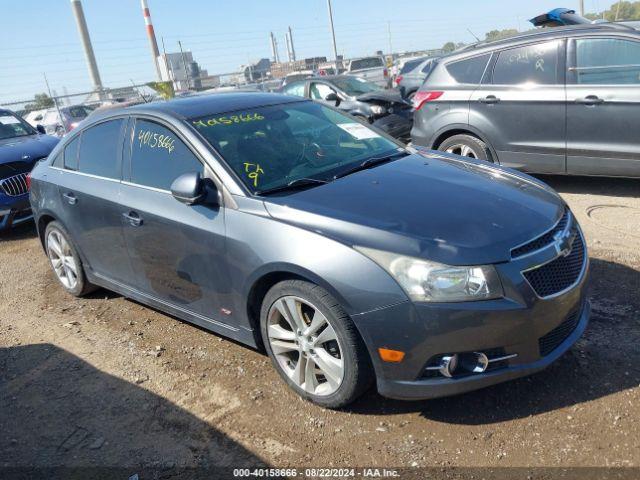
(563, 241)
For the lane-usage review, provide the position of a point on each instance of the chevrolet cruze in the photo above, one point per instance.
(286, 224)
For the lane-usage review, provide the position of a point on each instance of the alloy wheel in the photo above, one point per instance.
(305, 345)
(62, 259)
(462, 150)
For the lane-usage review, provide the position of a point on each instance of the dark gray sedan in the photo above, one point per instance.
(282, 223)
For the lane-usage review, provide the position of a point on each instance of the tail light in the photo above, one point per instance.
(385, 72)
(421, 98)
(398, 79)
(28, 180)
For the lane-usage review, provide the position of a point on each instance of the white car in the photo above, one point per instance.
(373, 69)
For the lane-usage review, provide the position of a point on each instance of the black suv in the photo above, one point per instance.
(561, 100)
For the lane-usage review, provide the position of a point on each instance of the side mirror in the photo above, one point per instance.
(191, 189)
(333, 97)
(41, 129)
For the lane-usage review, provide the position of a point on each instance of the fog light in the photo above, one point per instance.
(448, 365)
(476, 362)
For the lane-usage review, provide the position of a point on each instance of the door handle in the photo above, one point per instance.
(133, 218)
(590, 100)
(70, 198)
(489, 99)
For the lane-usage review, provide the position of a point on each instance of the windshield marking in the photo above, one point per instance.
(230, 120)
(255, 174)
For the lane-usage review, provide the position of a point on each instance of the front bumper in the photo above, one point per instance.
(532, 331)
(14, 211)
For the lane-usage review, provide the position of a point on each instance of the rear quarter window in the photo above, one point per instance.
(536, 64)
(71, 154)
(469, 70)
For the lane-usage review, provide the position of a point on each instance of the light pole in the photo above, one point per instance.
(333, 35)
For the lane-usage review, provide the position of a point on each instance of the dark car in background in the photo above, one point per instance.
(384, 109)
(412, 74)
(563, 100)
(21, 146)
(281, 222)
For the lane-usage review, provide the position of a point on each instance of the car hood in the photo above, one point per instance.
(26, 149)
(392, 96)
(437, 207)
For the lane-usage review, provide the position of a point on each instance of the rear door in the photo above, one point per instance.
(603, 102)
(89, 186)
(177, 250)
(521, 107)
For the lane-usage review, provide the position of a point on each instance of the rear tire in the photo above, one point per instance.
(314, 345)
(65, 261)
(466, 146)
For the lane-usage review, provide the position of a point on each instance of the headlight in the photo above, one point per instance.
(378, 110)
(426, 281)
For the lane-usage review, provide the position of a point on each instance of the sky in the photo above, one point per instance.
(40, 36)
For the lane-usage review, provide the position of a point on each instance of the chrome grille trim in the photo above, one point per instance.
(14, 186)
(545, 239)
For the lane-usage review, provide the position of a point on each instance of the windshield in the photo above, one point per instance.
(11, 127)
(270, 147)
(354, 86)
(362, 63)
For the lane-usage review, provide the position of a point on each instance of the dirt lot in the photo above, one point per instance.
(106, 381)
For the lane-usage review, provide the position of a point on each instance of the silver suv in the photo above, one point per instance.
(562, 101)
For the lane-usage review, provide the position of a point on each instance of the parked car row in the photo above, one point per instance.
(58, 121)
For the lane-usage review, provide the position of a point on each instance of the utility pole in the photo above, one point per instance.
(184, 64)
(293, 50)
(389, 34)
(90, 57)
(333, 35)
(582, 7)
(152, 37)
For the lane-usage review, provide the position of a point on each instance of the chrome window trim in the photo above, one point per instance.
(90, 175)
(146, 187)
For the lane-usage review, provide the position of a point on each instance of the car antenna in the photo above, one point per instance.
(473, 34)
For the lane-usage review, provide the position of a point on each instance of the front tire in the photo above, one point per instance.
(65, 261)
(466, 146)
(314, 345)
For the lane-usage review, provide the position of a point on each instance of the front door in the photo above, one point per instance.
(176, 250)
(603, 102)
(521, 107)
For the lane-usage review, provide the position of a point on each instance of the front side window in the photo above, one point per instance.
(158, 156)
(607, 61)
(270, 147)
(99, 149)
(296, 89)
(536, 64)
(469, 70)
(71, 154)
(319, 91)
(11, 127)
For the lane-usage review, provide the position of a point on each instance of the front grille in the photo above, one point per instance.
(543, 240)
(15, 185)
(555, 337)
(559, 274)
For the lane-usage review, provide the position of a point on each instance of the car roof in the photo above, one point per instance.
(212, 104)
(541, 34)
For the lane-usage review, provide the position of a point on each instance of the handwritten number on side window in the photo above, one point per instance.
(149, 139)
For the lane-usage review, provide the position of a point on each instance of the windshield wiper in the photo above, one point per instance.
(293, 185)
(370, 163)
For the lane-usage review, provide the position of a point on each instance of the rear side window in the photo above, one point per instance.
(362, 63)
(607, 61)
(410, 65)
(158, 156)
(469, 70)
(71, 154)
(99, 149)
(529, 64)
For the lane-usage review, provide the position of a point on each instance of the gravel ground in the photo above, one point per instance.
(106, 381)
